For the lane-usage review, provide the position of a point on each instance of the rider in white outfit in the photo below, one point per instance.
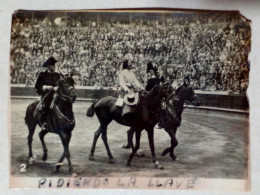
(127, 79)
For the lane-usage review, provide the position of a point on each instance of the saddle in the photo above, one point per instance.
(41, 111)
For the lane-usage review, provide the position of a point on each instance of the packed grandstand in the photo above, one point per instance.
(210, 48)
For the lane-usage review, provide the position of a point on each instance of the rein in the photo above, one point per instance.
(171, 95)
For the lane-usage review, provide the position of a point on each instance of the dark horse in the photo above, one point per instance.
(60, 119)
(147, 116)
(170, 115)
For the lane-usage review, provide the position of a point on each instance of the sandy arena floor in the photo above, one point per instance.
(211, 145)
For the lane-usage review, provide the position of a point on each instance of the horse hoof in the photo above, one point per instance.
(140, 154)
(59, 164)
(126, 146)
(71, 170)
(158, 166)
(174, 158)
(31, 160)
(91, 158)
(44, 157)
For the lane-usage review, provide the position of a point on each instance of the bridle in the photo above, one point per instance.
(66, 97)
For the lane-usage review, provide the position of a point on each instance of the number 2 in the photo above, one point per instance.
(23, 167)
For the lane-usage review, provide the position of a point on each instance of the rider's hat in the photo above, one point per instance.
(131, 98)
(49, 62)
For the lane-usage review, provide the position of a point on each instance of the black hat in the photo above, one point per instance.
(150, 67)
(125, 64)
(49, 62)
(186, 78)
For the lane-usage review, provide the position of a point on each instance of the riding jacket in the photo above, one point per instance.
(128, 80)
(46, 78)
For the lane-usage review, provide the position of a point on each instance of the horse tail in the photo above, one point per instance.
(91, 111)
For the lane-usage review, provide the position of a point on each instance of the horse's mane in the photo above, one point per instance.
(68, 79)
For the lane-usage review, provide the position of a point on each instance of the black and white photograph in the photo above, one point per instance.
(134, 94)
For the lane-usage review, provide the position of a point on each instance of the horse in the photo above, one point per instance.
(147, 116)
(60, 120)
(170, 115)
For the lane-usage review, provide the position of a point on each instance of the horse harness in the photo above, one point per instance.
(71, 122)
(65, 98)
(175, 98)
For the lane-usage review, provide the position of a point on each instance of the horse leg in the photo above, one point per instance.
(104, 138)
(130, 134)
(174, 143)
(41, 135)
(150, 133)
(137, 145)
(96, 136)
(31, 128)
(65, 138)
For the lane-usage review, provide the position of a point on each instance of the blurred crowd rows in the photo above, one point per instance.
(214, 55)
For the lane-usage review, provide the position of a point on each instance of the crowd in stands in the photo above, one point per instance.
(212, 53)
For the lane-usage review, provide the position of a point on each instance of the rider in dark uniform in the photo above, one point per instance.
(45, 86)
(153, 77)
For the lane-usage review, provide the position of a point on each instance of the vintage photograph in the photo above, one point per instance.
(129, 99)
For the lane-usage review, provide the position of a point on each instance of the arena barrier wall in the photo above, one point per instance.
(207, 99)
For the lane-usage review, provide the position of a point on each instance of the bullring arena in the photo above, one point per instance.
(212, 144)
(210, 48)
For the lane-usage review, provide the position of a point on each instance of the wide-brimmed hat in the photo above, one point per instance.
(131, 98)
(49, 62)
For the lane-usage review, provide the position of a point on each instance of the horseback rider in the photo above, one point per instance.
(130, 86)
(153, 76)
(45, 86)
(127, 79)
(153, 79)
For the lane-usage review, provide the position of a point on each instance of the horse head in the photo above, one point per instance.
(66, 89)
(186, 95)
(173, 106)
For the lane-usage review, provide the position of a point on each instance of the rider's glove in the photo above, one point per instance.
(55, 89)
(47, 87)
